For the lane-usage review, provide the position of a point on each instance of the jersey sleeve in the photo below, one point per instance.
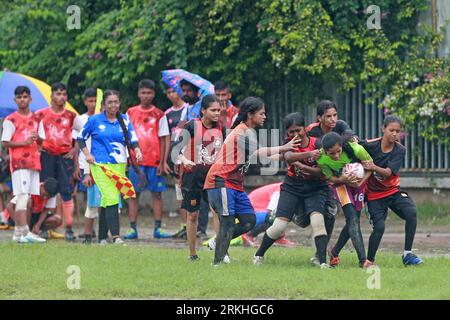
(186, 134)
(360, 152)
(247, 143)
(131, 133)
(8, 130)
(396, 160)
(163, 129)
(41, 130)
(86, 131)
(76, 127)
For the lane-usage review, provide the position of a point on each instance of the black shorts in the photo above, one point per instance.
(400, 202)
(291, 204)
(192, 199)
(62, 170)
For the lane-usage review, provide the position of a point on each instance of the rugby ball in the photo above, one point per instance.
(355, 167)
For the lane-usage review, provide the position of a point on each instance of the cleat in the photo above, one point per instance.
(158, 233)
(334, 261)
(69, 236)
(180, 234)
(103, 242)
(52, 234)
(315, 261)
(258, 260)
(411, 260)
(193, 258)
(368, 264)
(285, 243)
(31, 238)
(202, 235)
(325, 266)
(238, 241)
(132, 234)
(226, 259)
(211, 243)
(119, 241)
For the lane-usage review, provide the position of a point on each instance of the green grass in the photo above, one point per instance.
(39, 272)
(431, 213)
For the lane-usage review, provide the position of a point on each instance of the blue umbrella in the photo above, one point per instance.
(40, 92)
(174, 76)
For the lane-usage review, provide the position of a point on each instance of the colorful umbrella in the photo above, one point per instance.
(40, 92)
(174, 76)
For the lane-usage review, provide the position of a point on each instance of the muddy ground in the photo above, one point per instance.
(431, 240)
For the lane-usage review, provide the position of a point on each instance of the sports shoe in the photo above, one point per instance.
(411, 260)
(249, 240)
(119, 241)
(227, 259)
(315, 261)
(132, 234)
(31, 238)
(285, 243)
(325, 266)
(211, 243)
(193, 258)
(258, 260)
(16, 238)
(180, 234)
(159, 233)
(334, 261)
(52, 234)
(238, 241)
(69, 235)
(103, 242)
(87, 239)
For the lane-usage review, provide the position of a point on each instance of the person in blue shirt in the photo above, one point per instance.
(111, 133)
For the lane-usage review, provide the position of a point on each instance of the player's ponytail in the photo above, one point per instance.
(248, 105)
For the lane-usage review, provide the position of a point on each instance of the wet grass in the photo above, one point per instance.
(113, 272)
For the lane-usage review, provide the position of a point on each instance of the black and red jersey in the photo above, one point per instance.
(379, 187)
(202, 148)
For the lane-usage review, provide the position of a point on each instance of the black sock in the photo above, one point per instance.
(223, 238)
(410, 230)
(157, 224)
(102, 225)
(342, 240)
(354, 230)
(112, 218)
(321, 247)
(133, 225)
(266, 243)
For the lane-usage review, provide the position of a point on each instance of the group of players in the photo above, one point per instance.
(207, 145)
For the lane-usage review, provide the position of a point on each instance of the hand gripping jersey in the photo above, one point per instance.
(293, 171)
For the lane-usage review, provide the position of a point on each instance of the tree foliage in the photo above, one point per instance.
(251, 44)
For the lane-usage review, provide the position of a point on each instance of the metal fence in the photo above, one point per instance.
(366, 120)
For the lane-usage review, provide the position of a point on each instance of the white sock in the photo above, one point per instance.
(406, 252)
(3, 217)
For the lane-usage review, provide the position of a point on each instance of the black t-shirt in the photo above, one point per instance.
(377, 185)
(205, 153)
(314, 130)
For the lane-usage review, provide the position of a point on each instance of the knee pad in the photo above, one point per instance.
(22, 201)
(277, 228)
(318, 224)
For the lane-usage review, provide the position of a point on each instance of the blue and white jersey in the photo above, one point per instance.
(108, 143)
(192, 112)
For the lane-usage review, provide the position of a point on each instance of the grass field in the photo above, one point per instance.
(135, 272)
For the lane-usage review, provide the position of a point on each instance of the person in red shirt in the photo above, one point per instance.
(383, 189)
(200, 142)
(151, 128)
(225, 179)
(59, 151)
(21, 136)
(228, 112)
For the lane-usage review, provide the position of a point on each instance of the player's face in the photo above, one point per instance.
(90, 103)
(112, 106)
(392, 132)
(59, 98)
(146, 96)
(213, 112)
(23, 100)
(296, 130)
(189, 94)
(335, 152)
(329, 118)
(172, 95)
(258, 117)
